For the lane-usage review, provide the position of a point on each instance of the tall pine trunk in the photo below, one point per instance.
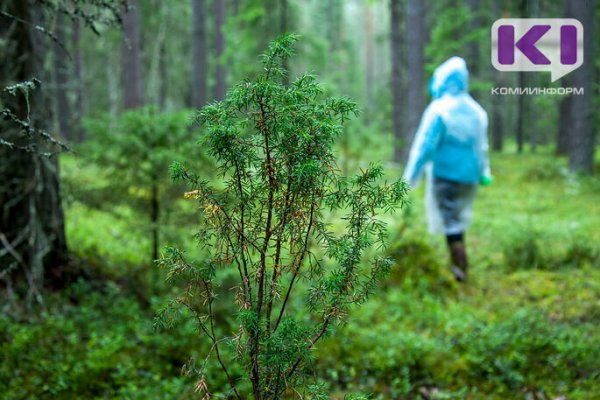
(163, 75)
(520, 135)
(583, 140)
(221, 73)
(78, 75)
(33, 248)
(497, 121)
(522, 81)
(283, 27)
(154, 216)
(533, 133)
(473, 47)
(335, 10)
(369, 61)
(61, 80)
(396, 81)
(132, 68)
(565, 122)
(199, 54)
(415, 36)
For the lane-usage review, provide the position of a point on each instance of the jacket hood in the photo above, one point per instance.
(451, 77)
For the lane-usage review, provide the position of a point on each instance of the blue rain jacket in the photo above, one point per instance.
(452, 134)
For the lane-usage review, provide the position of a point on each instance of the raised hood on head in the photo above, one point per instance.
(451, 77)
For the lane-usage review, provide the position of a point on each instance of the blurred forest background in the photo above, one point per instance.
(113, 104)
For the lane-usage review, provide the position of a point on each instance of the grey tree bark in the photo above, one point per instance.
(522, 81)
(520, 134)
(61, 80)
(199, 54)
(396, 81)
(335, 10)
(565, 122)
(369, 61)
(163, 74)
(283, 28)
(78, 75)
(415, 37)
(534, 135)
(33, 247)
(583, 135)
(131, 53)
(497, 121)
(221, 72)
(473, 47)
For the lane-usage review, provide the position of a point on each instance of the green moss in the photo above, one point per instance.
(526, 323)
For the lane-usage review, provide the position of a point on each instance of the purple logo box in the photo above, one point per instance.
(537, 44)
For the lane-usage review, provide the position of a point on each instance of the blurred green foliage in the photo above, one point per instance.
(127, 158)
(97, 344)
(525, 327)
(138, 146)
(519, 329)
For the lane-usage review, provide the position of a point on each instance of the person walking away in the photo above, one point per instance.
(451, 149)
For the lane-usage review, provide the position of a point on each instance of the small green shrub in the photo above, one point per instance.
(531, 249)
(546, 170)
(418, 266)
(133, 151)
(581, 250)
(523, 249)
(273, 146)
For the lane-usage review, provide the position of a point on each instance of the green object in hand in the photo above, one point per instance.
(486, 180)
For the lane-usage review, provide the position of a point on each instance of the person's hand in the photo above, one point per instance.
(486, 180)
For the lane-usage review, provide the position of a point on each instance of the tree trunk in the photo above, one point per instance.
(397, 106)
(582, 139)
(565, 122)
(33, 247)
(369, 61)
(283, 17)
(234, 6)
(283, 28)
(565, 125)
(163, 84)
(199, 54)
(221, 73)
(132, 69)
(520, 135)
(154, 218)
(473, 47)
(533, 134)
(163, 63)
(522, 81)
(61, 80)
(415, 36)
(497, 103)
(497, 123)
(334, 24)
(78, 72)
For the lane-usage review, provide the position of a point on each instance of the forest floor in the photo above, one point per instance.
(525, 326)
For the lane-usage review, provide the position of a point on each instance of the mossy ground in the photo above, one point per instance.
(525, 326)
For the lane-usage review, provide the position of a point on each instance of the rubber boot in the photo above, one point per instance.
(460, 265)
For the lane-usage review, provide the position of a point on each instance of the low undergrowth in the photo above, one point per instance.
(526, 326)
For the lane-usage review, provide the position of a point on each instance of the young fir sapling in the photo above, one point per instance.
(273, 145)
